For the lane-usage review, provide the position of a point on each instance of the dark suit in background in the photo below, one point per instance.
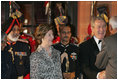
(88, 51)
(107, 58)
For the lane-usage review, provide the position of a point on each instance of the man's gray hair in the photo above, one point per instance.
(113, 22)
(94, 19)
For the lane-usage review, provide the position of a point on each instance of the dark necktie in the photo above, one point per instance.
(99, 41)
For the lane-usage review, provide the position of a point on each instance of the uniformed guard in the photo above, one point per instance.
(69, 54)
(62, 21)
(18, 51)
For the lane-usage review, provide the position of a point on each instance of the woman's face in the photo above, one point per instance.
(48, 38)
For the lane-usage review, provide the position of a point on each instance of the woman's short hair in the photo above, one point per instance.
(41, 31)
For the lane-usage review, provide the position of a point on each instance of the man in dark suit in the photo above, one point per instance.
(90, 48)
(107, 58)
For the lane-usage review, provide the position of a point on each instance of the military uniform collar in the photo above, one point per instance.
(64, 45)
(11, 43)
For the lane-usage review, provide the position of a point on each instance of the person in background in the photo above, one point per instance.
(29, 39)
(3, 40)
(27, 36)
(107, 58)
(45, 62)
(90, 48)
(18, 52)
(69, 54)
(62, 21)
(5, 67)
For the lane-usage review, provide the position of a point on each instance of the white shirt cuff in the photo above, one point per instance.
(98, 75)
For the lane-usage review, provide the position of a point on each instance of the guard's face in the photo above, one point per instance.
(99, 29)
(65, 34)
(48, 38)
(16, 31)
(14, 34)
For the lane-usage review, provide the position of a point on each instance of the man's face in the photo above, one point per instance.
(14, 34)
(99, 29)
(65, 34)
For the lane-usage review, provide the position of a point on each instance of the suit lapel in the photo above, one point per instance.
(94, 46)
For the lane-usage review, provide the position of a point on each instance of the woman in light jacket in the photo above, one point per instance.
(45, 61)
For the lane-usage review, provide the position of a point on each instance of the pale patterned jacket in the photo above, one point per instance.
(43, 66)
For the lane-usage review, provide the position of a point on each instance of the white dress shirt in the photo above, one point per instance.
(97, 41)
(99, 46)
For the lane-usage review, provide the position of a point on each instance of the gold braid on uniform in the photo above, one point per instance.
(16, 14)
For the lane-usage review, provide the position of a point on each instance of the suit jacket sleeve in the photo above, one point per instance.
(102, 57)
(85, 63)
